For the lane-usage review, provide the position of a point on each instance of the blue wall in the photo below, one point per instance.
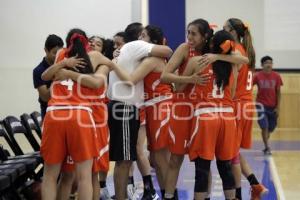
(170, 16)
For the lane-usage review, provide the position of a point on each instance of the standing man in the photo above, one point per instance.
(52, 45)
(268, 99)
(123, 113)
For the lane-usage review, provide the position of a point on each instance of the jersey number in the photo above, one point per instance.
(249, 81)
(217, 93)
(69, 83)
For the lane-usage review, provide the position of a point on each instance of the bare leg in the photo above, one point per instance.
(173, 172)
(121, 172)
(84, 177)
(96, 186)
(265, 136)
(65, 185)
(49, 184)
(142, 161)
(160, 160)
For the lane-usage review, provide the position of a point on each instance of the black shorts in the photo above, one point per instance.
(124, 124)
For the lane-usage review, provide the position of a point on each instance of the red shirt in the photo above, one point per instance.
(267, 84)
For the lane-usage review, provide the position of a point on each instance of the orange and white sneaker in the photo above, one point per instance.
(257, 191)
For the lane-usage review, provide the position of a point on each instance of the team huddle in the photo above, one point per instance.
(108, 97)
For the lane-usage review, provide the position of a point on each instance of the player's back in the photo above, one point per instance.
(210, 95)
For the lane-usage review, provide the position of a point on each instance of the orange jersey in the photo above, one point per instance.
(192, 53)
(210, 95)
(181, 120)
(94, 98)
(245, 79)
(153, 87)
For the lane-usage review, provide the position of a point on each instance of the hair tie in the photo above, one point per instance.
(226, 46)
(82, 39)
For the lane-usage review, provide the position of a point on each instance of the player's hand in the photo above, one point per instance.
(207, 59)
(116, 53)
(74, 62)
(201, 79)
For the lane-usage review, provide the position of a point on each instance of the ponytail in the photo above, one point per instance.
(245, 38)
(78, 46)
(247, 43)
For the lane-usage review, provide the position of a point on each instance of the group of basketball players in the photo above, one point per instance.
(196, 102)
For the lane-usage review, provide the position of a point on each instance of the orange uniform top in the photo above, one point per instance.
(192, 53)
(188, 89)
(210, 95)
(245, 79)
(69, 92)
(153, 87)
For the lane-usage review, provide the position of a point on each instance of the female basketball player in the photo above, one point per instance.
(69, 102)
(214, 132)
(199, 34)
(244, 104)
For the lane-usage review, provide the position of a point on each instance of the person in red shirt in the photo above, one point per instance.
(268, 99)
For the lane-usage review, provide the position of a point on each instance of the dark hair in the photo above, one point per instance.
(155, 34)
(245, 38)
(133, 31)
(221, 69)
(205, 30)
(108, 48)
(121, 34)
(265, 58)
(53, 41)
(79, 49)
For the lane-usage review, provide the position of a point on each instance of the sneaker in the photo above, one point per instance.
(267, 151)
(132, 192)
(257, 191)
(104, 194)
(150, 195)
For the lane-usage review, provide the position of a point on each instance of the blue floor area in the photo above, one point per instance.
(256, 159)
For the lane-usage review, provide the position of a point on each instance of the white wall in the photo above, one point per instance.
(263, 16)
(24, 26)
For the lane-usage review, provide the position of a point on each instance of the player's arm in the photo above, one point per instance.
(96, 80)
(168, 75)
(72, 62)
(144, 68)
(235, 58)
(189, 70)
(161, 51)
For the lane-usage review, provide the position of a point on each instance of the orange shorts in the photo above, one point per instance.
(68, 132)
(101, 163)
(180, 126)
(157, 124)
(214, 134)
(245, 112)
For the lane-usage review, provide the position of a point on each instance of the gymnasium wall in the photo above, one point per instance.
(24, 26)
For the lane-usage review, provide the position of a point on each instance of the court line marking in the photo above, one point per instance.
(276, 179)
